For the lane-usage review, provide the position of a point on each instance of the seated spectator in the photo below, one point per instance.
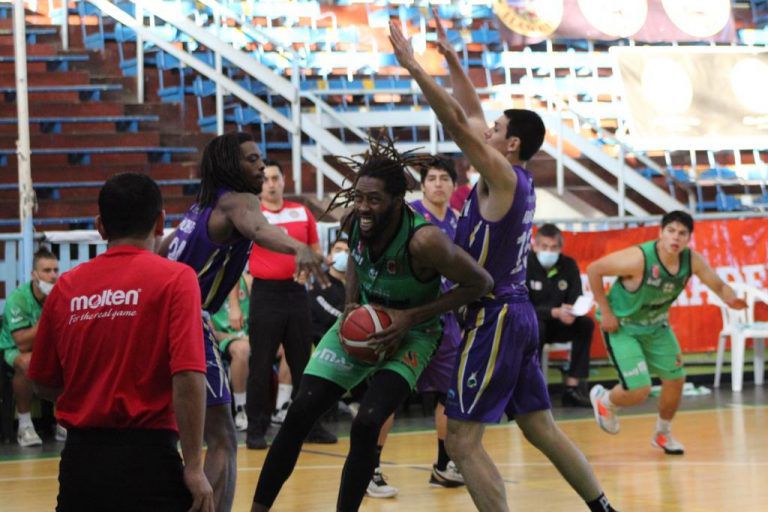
(327, 304)
(20, 318)
(554, 284)
(230, 326)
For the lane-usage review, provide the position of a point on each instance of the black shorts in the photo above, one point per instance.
(121, 470)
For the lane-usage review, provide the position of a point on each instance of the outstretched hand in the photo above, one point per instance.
(738, 304)
(401, 46)
(308, 262)
(443, 46)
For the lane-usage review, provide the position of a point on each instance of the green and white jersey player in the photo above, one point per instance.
(634, 317)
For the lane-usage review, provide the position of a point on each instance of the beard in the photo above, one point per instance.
(380, 223)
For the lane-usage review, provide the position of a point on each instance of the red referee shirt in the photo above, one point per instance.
(112, 334)
(297, 221)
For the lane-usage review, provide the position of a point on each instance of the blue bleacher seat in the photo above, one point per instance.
(87, 92)
(53, 62)
(54, 124)
(32, 33)
(170, 93)
(53, 189)
(204, 88)
(82, 156)
(123, 35)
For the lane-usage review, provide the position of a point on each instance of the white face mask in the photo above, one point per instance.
(547, 258)
(340, 261)
(473, 178)
(45, 287)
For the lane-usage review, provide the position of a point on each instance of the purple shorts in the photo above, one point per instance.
(498, 369)
(437, 374)
(216, 383)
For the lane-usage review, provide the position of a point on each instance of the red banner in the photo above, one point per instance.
(736, 249)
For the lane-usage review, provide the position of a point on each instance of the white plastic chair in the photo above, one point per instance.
(740, 325)
(551, 347)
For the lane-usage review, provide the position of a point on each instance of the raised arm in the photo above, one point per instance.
(433, 253)
(243, 211)
(494, 168)
(463, 88)
(627, 263)
(709, 277)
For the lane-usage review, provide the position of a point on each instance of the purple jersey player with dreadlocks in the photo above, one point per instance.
(497, 372)
(214, 238)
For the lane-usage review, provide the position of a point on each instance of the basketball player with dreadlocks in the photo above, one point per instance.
(397, 260)
(497, 371)
(214, 238)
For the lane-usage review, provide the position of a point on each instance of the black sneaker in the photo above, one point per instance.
(255, 441)
(320, 435)
(572, 397)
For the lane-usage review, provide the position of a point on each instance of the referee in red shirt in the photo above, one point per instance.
(279, 309)
(120, 349)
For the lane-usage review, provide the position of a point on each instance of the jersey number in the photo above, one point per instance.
(176, 248)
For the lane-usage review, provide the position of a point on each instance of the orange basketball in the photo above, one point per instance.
(357, 326)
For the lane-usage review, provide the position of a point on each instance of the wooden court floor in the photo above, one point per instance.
(725, 468)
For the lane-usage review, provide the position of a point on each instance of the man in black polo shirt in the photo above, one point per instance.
(554, 285)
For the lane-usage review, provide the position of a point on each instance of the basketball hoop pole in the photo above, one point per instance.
(26, 192)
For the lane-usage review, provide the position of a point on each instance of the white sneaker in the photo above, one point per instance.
(605, 417)
(28, 437)
(278, 417)
(378, 487)
(448, 477)
(241, 420)
(61, 433)
(666, 442)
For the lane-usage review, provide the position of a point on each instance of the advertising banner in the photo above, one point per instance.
(531, 21)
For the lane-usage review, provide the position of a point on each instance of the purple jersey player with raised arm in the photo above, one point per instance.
(497, 371)
(214, 238)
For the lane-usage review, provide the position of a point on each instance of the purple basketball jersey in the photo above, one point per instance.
(498, 371)
(218, 266)
(447, 225)
(501, 247)
(437, 375)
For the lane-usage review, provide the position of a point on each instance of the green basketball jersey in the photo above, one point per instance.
(389, 281)
(649, 304)
(22, 310)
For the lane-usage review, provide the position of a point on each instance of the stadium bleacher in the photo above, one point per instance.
(349, 67)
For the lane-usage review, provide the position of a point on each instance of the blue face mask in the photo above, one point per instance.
(547, 258)
(340, 261)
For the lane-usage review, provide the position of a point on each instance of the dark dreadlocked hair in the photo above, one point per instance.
(220, 167)
(381, 161)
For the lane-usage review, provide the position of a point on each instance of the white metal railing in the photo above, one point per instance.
(326, 141)
(321, 117)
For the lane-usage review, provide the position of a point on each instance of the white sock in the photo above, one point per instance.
(239, 400)
(283, 394)
(663, 425)
(25, 420)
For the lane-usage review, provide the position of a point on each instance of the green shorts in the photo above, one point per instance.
(224, 344)
(331, 362)
(638, 351)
